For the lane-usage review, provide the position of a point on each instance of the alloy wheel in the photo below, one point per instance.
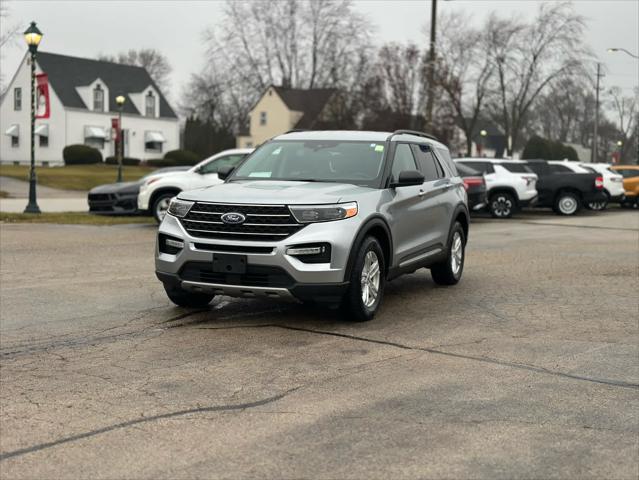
(162, 207)
(456, 254)
(370, 279)
(502, 206)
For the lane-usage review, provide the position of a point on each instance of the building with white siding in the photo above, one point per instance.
(82, 104)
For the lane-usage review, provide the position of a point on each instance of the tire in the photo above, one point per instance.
(502, 205)
(182, 298)
(567, 203)
(449, 272)
(161, 205)
(599, 206)
(360, 303)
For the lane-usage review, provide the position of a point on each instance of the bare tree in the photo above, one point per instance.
(464, 70)
(151, 59)
(528, 58)
(292, 43)
(8, 36)
(625, 113)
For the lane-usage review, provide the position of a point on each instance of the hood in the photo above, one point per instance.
(122, 187)
(272, 192)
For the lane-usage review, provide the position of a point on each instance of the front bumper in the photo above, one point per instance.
(528, 203)
(113, 203)
(322, 282)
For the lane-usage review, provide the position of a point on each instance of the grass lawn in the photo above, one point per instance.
(78, 218)
(75, 177)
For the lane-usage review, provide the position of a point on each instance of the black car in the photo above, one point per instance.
(475, 186)
(121, 198)
(563, 190)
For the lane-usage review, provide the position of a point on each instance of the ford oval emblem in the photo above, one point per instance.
(233, 218)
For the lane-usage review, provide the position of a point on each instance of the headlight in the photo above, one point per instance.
(323, 213)
(179, 208)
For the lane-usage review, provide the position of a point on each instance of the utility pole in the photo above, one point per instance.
(430, 78)
(595, 141)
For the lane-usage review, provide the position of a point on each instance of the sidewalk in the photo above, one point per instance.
(49, 199)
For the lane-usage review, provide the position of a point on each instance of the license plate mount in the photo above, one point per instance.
(229, 263)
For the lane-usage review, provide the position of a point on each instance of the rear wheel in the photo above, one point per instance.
(449, 272)
(183, 298)
(367, 281)
(567, 203)
(600, 205)
(502, 205)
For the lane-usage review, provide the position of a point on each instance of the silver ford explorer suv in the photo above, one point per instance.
(321, 217)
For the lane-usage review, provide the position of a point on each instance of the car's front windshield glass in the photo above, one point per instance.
(353, 162)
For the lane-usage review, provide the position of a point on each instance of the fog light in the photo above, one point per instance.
(306, 250)
(311, 253)
(170, 245)
(174, 243)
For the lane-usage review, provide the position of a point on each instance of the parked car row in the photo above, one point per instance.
(501, 186)
(564, 186)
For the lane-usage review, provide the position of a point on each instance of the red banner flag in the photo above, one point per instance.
(115, 129)
(42, 96)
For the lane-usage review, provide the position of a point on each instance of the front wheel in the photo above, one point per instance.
(161, 205)
(502, 205)
(567, 203)
(449, 272)
(182, 298)
(367, 281)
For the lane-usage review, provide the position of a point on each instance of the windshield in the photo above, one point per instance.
(358, 163)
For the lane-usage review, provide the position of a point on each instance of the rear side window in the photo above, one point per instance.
(516, 167)
(403, 161)
(428, 164)
(444, 155)
(553, 168)
(629, 173)
(483, 167)
(538, 167)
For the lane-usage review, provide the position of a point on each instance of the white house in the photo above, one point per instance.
(82, 104)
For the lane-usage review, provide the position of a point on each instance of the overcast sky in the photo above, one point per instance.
(86, 28)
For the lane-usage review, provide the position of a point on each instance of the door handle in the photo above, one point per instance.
(421, 192)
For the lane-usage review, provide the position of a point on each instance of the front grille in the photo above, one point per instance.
(100, 197)
(255, 276)
(263, 222)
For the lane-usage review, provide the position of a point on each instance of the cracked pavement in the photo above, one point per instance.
(529, 368)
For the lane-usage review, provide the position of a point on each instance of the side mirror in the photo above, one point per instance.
(408, 178)
(225, 171)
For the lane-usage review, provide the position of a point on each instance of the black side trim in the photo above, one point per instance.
(376, 221)
(168, 279)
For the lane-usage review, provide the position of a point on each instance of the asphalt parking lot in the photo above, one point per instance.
(529, 368)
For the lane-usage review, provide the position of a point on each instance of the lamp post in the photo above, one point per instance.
(483, 134)
(617, 49)
(619, 148)
(32, 36)
(119, 100)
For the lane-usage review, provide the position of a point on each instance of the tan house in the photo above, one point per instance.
(282, 109)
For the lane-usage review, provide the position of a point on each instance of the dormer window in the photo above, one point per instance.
(149, 105)
(98, 99)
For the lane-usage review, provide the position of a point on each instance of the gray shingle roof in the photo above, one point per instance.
(66, 73)
(310, 102)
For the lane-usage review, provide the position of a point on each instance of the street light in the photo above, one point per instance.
(119, 100)
(32, 36)
(483, 134)
(618, 49)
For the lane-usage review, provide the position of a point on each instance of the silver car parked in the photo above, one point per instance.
(321, 217)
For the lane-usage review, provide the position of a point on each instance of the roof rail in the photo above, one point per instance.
(413, 132)
(295, 130)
